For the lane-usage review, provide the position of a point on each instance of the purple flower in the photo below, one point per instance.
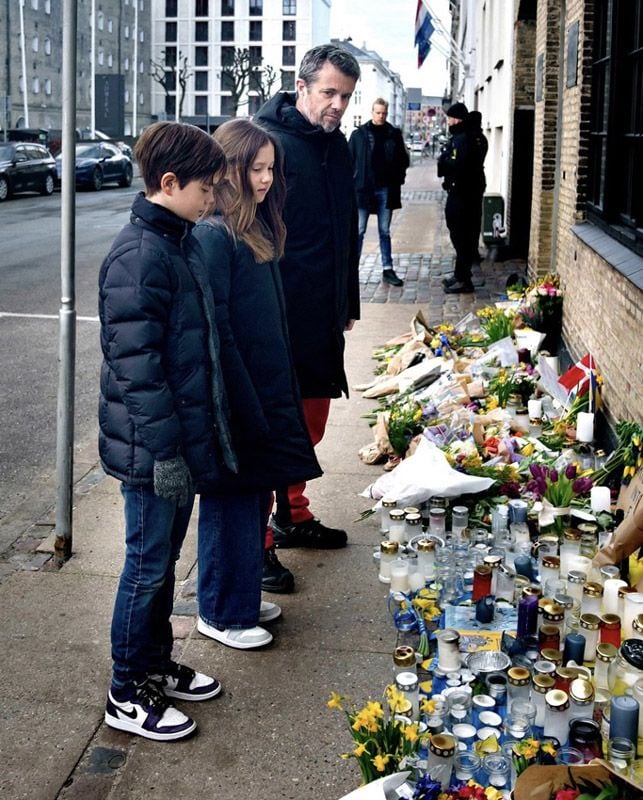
(582, 485)
(570, 471)
(553, 475)
(536, 470)
(542, 486)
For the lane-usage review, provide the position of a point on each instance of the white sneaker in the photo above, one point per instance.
(239, 638)
(269, 611)
(147, 712)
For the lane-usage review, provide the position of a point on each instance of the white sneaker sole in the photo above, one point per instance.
(269, 611)
(191, 696)
(224, 637)
(132, 727)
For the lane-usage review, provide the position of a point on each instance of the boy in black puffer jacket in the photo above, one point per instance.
(163, 421)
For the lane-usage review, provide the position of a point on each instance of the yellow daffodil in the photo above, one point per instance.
(396, 699)
(360, 750)
(491, 403)
(375, 709)
(428, 706)
(426, 686)
(422, 602)
(411, 732)
(492, 793)
(527, 450)
(335, 701)
(380, 762)
(426, 664)
(488, 745)
(548, 747)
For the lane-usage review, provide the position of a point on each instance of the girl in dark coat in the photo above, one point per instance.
(242, 243)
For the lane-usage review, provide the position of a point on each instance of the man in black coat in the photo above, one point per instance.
(461, 166)
(381, 161)
(320, 266)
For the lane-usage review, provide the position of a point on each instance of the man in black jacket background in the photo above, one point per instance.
(461, 166)
(319, 269)
(381, 161)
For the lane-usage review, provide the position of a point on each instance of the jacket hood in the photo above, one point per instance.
(459, 127)
(159, 217)
(281, 112)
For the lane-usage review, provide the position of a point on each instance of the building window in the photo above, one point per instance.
(254, 103)
(170, 57)
(289, 30)
(228, 108)
(288, 55)
(357, 121)
(126, 95)
(35, 85)
(200, 56)
(126, 31)
(141, 99)
(615, 176)
(141, 36)
(255, 80)
(170, 31)
(110, 25)
(227, 56)
(227, 81)
(170, 80)
(34, 44)
(255, 8)
(171, 7)
(47, 6)
(200, 31)
(201, 104)
(101, 56)
(110, 60)
(141, 67)
(287, 80)
(100, 20)
(227, 31)
(47, 86)
(255, 56)
(227, 8)
(201, 81)
(126, 64)
(47, 46)
(255, 32)
(289, 8)
(34, 5)
(170, 105)
(201, 8)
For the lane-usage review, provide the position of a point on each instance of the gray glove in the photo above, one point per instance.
(172, 480)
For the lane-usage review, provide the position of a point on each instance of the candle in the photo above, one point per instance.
(610, 595)
(388, 554)
(524, 566)
(574, 648)
(397, 527)
(552, 363)
(535, 408)
(624, 718)
(585, 426)
(601, 499)
(399, 576)
(557, 716)
(448, 650)
(632, 607)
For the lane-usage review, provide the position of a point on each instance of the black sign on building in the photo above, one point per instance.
(110, 104)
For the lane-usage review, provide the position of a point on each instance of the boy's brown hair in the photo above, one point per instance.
(187, 151)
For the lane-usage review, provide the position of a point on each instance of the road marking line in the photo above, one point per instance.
(46, 316)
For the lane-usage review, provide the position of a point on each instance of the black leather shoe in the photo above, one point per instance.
(311, 533)
(449, 280)
(459, 287)
(276, 578)
(391, 277)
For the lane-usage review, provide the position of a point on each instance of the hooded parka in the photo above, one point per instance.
(319, 269)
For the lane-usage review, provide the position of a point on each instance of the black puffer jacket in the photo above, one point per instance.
(268, 428)
(161, 391)
(396, 159)
(461, 162)
(320, 267)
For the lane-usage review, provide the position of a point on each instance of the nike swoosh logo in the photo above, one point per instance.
(133, 714)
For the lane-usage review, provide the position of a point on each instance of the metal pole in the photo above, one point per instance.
(92, 70)
(25, 105)
(135, 82)
(67, 334)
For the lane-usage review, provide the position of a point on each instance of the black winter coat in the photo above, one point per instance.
(320, 267)
(161, 393)
(461, 163)
(396, 156)
(268, 429)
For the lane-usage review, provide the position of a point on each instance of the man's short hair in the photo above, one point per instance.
(380, 102)
(316, 57)
(187, 151)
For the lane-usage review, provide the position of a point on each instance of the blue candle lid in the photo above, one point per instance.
(632, 650)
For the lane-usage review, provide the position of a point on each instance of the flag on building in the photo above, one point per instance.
(423, 30)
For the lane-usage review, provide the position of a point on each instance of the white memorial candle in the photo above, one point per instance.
(585, 426)
(600, 499)
(610, 595)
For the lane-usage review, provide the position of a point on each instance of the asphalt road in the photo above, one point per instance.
(30, 290)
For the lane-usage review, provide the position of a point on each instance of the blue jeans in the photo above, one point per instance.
(384, 216)
(231, 544)
(141, 630)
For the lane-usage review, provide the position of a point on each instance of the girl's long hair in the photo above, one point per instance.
(259, 225)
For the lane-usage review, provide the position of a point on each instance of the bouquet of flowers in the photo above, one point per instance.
(382, 742)
(497, 323)
(542, 310)
(531, 751)
(428, 789)
(407, 418)
(557, 490)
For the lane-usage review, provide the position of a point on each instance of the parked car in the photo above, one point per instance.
(26, 167)
(98, 163)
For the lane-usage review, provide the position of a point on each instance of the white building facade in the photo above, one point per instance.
(277, 33)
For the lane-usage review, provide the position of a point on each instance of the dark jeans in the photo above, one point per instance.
(141, 631)
(384, 216)
(463, 214)
(231, 536)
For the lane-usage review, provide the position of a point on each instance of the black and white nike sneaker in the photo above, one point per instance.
(184, 683)
(143, 709)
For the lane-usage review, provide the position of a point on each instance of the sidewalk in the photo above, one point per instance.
(269, 736)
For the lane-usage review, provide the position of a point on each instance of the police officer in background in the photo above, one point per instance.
(461, 164)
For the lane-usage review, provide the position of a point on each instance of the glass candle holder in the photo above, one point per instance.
(459, 521)
(610, 631)
(505, 578)
(592, 601)
(399, 577)
(496, 684)
(426, 558)
(549, 569)
(575, 582)
(581, 699)
(553, 614)
(516, 728)
(404, 659)
(632, 607)
(589, 625)
(385, 519)
(460, 708)
(557, 715)
(527, 624)
(466, 765)
(519, 680)
(437, 521)
(448, 650)
(549, 637)
(412, 525)
(627, 668)
(569, 756)
(442, 749)
(552, 654)
(541, 684)
(563, 677)
(525, 709)
(388, 554)
(465, 735)
(407, 683)
(489, 719)
(482, 575)
(609, 572)
(397, 527)
(479, 704)
(621, 754)
(585, 736)
(605, 654)
(417, 580)
(637, 627)
(569, 547)
(498, 769)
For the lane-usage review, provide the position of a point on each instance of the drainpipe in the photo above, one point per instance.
(559, 131)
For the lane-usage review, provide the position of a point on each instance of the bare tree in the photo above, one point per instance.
(267, 80)
(243, 73)
(165, 74)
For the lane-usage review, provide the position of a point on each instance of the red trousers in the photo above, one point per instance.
(292, 503)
